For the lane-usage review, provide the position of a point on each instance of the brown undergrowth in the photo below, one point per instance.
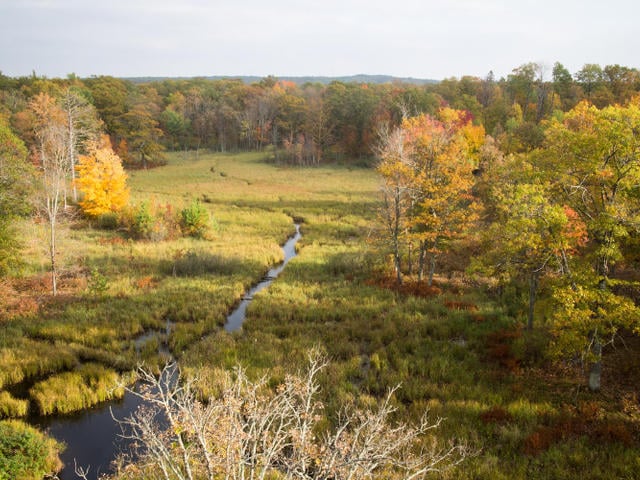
(21, 297)
(611, 415)
(407, 287)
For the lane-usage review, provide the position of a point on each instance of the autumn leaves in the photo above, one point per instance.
(562, 216)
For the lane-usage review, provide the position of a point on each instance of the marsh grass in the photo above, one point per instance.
(11, 407)
(443, 345)
(68, 392)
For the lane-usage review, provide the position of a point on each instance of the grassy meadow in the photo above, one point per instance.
(453, 351)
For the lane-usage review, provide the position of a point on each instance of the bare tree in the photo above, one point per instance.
(251, 432)
(51, 136)
(82, 126)
(397, 192)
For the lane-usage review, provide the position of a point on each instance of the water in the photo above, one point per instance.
(92, 436)
(236, 318)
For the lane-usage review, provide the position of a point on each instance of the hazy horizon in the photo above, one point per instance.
(286, 38)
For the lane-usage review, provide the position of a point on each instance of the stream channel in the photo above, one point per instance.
(92, 436)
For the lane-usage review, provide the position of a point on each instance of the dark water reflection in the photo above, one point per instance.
(92, 436)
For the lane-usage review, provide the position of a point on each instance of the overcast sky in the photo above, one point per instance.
(417, 38)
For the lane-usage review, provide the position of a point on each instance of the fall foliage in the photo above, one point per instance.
(101, 181)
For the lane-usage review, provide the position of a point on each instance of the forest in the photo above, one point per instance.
(470, 248)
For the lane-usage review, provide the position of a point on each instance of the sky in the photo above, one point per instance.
(405, 38)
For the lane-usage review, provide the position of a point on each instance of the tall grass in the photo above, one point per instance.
(85, 387)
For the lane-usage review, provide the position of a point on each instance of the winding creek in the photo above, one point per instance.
(92, 436)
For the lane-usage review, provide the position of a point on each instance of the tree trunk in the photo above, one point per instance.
(52, 255)
(396, 237)
(432, 268)
(432, 262)
(534, 277)
(422, 260)
(72, 155)
(596, 367)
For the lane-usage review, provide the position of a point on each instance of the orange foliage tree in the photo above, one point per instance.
(436, 163)
(102, 181)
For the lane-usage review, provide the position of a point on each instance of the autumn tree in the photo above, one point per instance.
(594, 158)
(426, 165)
(101, 180)
(443, 156)
(398, 193)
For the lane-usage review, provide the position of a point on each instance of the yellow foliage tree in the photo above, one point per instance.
(427, 168)
(102, 181)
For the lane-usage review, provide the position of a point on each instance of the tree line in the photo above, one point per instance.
(313, 123)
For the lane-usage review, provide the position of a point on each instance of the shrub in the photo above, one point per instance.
(194, 220)
(25, 453)
(97, 283)
(144, 222)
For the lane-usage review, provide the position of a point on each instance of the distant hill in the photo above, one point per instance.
(362, 78)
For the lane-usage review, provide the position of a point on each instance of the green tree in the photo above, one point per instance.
(530, 236)
(594, 158)
(142, 135)
(16, 177)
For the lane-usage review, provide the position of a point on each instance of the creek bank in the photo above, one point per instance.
(238, 315)
(92, 437)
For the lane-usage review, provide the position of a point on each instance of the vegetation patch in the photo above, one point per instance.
(85, 387)
(11, 407)
(26, 453)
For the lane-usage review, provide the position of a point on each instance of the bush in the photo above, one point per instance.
(97, 283)
(25, 453)
(194, 220)
(144, 222)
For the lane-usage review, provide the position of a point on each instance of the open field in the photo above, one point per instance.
(454, 352)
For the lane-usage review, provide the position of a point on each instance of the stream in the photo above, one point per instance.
(92, 436)
(235, 319)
